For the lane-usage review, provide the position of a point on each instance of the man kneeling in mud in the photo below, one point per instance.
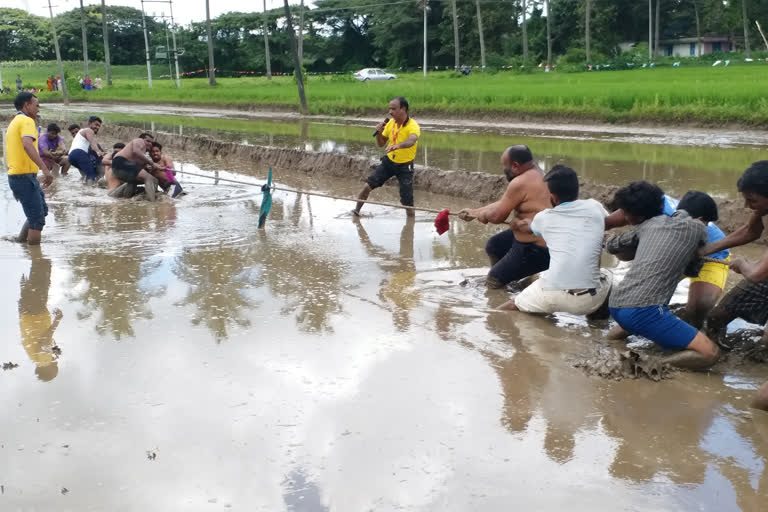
(573, 231)
(167, 176)
(515, 254)
(661, 248)
(748, 299)
(128, 166)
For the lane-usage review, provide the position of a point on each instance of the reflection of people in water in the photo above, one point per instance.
(37, 327)
(398, 288)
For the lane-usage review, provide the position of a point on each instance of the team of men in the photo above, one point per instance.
(552, 233)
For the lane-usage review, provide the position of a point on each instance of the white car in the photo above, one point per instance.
(373, 74)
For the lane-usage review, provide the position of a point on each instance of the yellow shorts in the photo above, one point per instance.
(713, 273)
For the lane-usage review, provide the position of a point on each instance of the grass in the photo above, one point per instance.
(702, 95)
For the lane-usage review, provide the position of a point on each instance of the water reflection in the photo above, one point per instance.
(397, 288)
(37, 324)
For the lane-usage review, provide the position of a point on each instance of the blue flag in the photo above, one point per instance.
(266, 201)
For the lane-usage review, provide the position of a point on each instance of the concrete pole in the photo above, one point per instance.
(107, 61)
(480, 34)
(211, 67)
(146, 44)
(587, 31)
(549, 33)
(525, 31)
(58, 56)
(175, 52)
(424, 67)
(650, 30)
(656, 35)
(266, 43)
(85, 38)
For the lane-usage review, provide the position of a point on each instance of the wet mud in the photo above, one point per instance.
(612, 363)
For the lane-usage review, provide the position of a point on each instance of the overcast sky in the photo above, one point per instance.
(184, 11)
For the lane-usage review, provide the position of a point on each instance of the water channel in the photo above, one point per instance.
(328, 363)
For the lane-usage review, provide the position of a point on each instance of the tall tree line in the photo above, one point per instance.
(340, 35)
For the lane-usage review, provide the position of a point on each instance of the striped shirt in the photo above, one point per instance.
(664, 248)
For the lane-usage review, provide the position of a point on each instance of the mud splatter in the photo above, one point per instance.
(151, 455)
(611, 363)
(9, 365)
(64, 491)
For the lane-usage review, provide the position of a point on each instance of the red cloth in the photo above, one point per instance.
(441, 222)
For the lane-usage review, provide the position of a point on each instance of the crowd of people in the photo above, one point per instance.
(552, 234)
(138, 167)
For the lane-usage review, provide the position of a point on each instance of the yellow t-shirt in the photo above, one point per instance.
(17, 159)
(397, 134)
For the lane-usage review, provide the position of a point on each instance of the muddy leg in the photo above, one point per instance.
(617, 332)
(717, 321)
(362, 197)
(700, 354)
(150, 184)
(702, 298)
(760, 400)
(509, 306)
(24, 233)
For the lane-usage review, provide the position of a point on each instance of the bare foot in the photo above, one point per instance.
(617, 333)
(509, 306)
(760, 401)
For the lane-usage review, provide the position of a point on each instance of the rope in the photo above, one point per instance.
(318, 194)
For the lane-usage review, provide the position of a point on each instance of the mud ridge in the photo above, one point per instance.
(610, 363)
(478, 186)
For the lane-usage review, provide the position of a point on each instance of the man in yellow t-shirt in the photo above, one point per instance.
(23, 160)
(401, 137)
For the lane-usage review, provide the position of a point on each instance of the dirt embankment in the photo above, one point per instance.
(477, 186)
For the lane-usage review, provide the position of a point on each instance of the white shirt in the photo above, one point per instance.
(79, 142)
(574, 234)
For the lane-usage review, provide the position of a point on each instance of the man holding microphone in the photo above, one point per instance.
(400, 135)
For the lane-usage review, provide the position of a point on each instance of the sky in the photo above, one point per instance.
(184, 11)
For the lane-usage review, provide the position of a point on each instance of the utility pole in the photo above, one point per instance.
(296, 63)
(146, 44)
(58, 56)
(525, 32)
(106, 42)
(266, 43)
(167, 46)
(424, 67)
(456, 54)
(650, 30)
(211, 70)
(480, 33)
(85, 38)
(301, 32)
(747, 50)
(658, 16)
(549, 33)
(700, 42)
(587, 31)
(175, 52)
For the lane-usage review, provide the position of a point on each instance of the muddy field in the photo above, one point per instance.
(171, 356)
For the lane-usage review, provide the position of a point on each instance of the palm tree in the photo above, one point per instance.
(525, 31)
(456, 56)
(747, 50)
(480, 33)
(211, 73)
(587, 31)
(266, 43)
(549, 32)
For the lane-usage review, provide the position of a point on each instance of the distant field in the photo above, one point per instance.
(703, 95)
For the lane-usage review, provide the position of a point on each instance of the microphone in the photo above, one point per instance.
(386, 120)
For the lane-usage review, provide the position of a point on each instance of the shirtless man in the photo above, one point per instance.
(515, 253)
(106, 162)
(128, 164)
(166, 177)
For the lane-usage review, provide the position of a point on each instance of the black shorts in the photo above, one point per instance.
(515, 260)
(125, 170)
(404, 173)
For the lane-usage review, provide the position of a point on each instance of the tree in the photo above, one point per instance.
(105, 31)
(549, 33)
(266, 44)
(656, 50)
(525, 31)
(456, 53)
(296, 62)
(480, 32)
(588, 9)
(747, 49)
(211, 70)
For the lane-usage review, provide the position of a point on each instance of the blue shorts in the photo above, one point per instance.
(85, 164)
(26, 189)
(658, 324)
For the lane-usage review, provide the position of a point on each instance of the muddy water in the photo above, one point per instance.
(325, 364)
(677, 159)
